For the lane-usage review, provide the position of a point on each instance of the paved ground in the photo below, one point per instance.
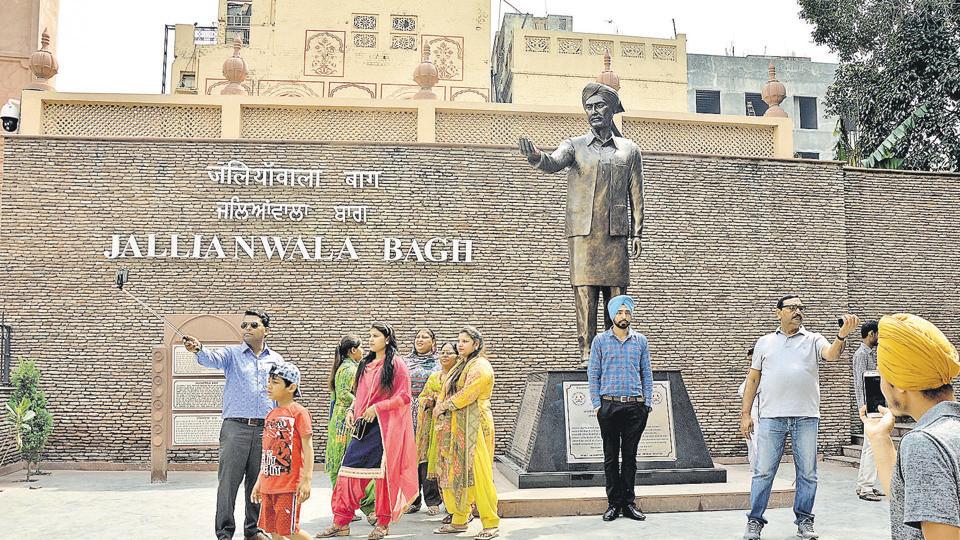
(114, 505)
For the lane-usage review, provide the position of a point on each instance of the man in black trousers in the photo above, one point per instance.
(621, 390)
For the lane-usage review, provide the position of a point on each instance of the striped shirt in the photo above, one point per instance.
(620, 368)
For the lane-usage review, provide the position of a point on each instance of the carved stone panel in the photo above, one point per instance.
(324, 53)
(446, 52)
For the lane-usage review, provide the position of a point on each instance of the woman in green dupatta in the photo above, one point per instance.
(342, 374)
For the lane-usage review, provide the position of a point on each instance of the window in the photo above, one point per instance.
(404, 23)
(238, 20)
(708, 101)
(365, 22)
(754, 104)
(808, 112)
(808, 155)
(188, 79)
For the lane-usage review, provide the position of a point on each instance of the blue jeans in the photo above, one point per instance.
(771, 438)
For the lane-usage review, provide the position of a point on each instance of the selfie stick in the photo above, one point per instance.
(123, 276)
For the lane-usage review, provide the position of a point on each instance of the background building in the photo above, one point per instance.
(542, 60)
(731, 85)
(24, 21)
(359, 49)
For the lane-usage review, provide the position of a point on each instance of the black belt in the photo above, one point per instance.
(248, 421)
(624, 399)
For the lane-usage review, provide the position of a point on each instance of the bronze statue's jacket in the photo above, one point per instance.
(623, 172)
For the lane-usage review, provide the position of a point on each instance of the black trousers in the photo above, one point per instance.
(239, 462)
(621, 425)
(431, 490)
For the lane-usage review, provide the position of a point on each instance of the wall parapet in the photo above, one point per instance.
(338, 120)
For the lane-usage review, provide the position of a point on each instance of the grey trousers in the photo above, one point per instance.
(586, 298)
(240, 447)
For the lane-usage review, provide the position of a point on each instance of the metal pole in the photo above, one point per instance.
(166, 39)
(155, 314)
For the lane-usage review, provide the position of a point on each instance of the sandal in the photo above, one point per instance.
(433, 510)
(372, 518)
(378, 533)
(488, 534)
(450, 529)
(333, 531)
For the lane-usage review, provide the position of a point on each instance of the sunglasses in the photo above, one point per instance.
(253, 325)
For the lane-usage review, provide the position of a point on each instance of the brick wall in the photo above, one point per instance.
(724, 237)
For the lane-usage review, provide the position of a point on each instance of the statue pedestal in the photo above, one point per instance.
(556, 440)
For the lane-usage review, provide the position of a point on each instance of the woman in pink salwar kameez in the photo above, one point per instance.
(383, 446)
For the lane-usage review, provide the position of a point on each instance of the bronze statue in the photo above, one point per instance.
(605, 179)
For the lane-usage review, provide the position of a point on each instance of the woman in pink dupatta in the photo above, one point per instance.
(383, 447)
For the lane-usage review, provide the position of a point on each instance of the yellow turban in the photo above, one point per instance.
(913, 354)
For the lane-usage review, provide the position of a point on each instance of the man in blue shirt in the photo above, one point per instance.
(621, 390)
(245, 405)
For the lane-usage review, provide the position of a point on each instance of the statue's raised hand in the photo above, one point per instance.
(529, 150)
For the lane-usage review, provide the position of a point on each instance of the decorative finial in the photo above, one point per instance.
(43, 65)
(773, 93)
(607, 76)
(426, 75)
(235, 71)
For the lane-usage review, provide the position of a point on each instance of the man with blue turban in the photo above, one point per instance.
(621, 391)
(604, 206)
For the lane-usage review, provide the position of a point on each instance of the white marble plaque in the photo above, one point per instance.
(185, 362)
(528, 418)
(196, 429)
(198, 395)
(584, 443)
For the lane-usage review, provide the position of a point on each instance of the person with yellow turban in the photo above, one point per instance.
(917, 364)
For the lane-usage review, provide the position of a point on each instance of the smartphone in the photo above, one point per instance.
(871, 392)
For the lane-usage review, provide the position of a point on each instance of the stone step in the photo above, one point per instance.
(902, 428)
(843, 460)
(852, 450)
(858, 441)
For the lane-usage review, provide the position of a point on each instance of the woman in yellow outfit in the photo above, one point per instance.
(465, 443)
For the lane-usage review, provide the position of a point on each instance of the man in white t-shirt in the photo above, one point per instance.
(789, 403)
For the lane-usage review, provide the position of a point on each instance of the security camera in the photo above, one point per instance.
(10, 115)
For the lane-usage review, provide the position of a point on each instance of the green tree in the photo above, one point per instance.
(895, 56)
(26, 387)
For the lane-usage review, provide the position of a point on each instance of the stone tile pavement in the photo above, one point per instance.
(114, 505)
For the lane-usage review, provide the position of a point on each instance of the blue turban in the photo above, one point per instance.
(616, 302)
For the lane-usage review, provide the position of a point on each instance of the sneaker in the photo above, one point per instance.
(805, 530)
(754, 526)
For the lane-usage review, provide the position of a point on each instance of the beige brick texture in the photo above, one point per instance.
(723, 239)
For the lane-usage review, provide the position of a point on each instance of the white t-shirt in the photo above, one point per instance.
(789, 373)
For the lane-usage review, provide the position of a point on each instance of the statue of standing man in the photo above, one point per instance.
(604, 207)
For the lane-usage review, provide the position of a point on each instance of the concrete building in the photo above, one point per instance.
(542, 60)
(731, 85)
(24, 21)
(362, 49)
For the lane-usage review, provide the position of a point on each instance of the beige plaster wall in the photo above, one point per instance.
(551, 67)
(24, 21)
(314, 49)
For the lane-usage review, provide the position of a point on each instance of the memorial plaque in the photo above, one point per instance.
(584, 443)
(658, 442)
(185, 362)
(196, 429)
(528, 417)
(198, 395)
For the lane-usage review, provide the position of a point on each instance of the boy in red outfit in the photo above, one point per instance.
(286, 469)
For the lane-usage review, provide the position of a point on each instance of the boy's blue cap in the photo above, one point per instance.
(288, 372)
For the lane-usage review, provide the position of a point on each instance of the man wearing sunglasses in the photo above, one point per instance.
(788, 360)
(245, 405)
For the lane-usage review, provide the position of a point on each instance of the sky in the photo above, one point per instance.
(117, 45)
